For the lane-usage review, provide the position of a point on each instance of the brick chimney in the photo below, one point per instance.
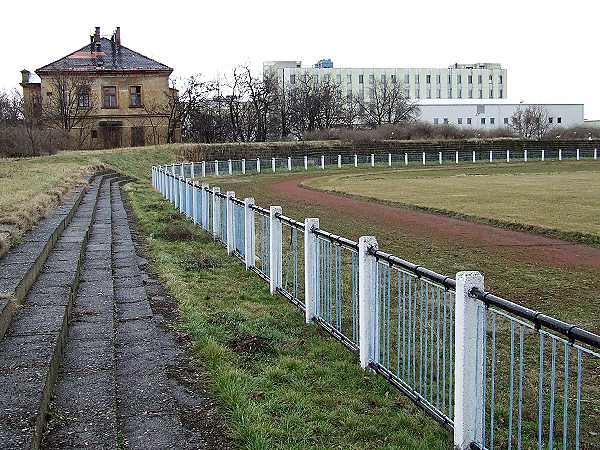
(117, 35)
(97, 35)
(25, 75)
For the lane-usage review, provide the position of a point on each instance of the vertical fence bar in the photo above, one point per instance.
(305, 162)
(456, 157)
(468, 373)
(230, 167)
(525, 155)
(560, 154)
(595, 153)
(273, 164)
(310, 268)
(250, 235)
(216, 217)
(275, 246)
(406, 159)
(243, 166)
(491, 156)
(389, 160)
(440, 157)
(423, 158)
(230, 238)
(507, 155)
(474, 156)
(192, 171)
(339, 161)
(289, 163)
(203, 169)
(204, 193)
(182, 187)
(322, 162)
(543, 155)
(194, 202)
(355, 160)
(257, 165)
(367, 288)
(372, 160)
(577, 154)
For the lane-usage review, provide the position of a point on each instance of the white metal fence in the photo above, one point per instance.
(496, 373)
(414, 158)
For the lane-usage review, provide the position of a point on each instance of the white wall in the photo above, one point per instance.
(569, 114)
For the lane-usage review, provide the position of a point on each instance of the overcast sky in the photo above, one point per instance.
(550, 48)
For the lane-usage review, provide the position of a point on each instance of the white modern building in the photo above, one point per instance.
(459, 81)
(488, 116)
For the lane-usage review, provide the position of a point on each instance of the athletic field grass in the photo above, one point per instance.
(562, 196)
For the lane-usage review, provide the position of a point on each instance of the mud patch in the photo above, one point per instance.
(249, 344)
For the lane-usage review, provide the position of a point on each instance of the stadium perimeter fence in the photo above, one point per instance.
(413, 158)
(493, 372)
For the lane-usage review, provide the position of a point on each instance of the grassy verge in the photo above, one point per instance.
(281, 383)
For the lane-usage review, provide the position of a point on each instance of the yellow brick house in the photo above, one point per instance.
(105, 95)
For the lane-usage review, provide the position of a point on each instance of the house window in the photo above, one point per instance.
(449, 79)
(460, 120)
(428, 93)
(361, 78)
(84, 98)
(480, 93)
(550, 119)
(492, 120)
(406, 78)
(491, 78)
(506, 121)
(417, 78)
(470, 79)
(292, 79)
(468, 121)
(428, 79)
(500, 78)
(94, 134)
(135, 96)
(559, 120)
(491, 93)
(446, 120)
(439, 79)
(483, 121)
(501, 93)
(349, 78)
(436, 121)
(417, 94)
(109, 97)
(393, 79)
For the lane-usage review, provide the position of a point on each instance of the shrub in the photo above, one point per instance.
(178, 232)
(19, 140)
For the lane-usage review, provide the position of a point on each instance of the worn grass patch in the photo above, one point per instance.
(281, 384)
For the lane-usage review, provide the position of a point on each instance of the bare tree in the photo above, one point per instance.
(531, 122)
(70, 105)
(385, 104)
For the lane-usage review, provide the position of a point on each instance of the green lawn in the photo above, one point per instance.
(549, 196)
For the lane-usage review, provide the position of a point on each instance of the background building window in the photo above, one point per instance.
(439, 79)
(479, 79)
(506, 121)
(349, 78)
(135, 96)
(559, 120)
(361, 78)
(491, 93)
(436, 121)
(393, 79)
(550, 119)
(460, 120)
(84, 98)
(483, 121)
(292, 79)
(109, 97)
(492, 120)
(470, 79)
(501, 92)
(428, 79)
(468, 121)
(417, 78)
(446, 120)
(406, 78)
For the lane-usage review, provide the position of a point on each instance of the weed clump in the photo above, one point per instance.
(177, 232)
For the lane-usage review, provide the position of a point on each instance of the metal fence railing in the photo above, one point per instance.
(495, 373)
(412, 158)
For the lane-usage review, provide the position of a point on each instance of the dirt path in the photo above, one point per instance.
(524, 246)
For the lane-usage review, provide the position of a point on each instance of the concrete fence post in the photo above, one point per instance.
(595, 153)
(216, 167)
(474, 156)
(525, 155)
(276, 248)
(322, 161)
(423, 158)
(203, 169)
(406, 159)
(491, 156)
(305, 162)
(243, 166)
(339, 161)
(456, 156)
(543, 155)
(192, 171)
(273, 164)
(372, 160)
(468, 362)
(249, 234)
(257, 165)
(216, 216)
(507, 155)
(289, 163)
(367, 286)
(310, 268)
(560, 154)
(440, 157)
(204, 214)
(229, 226)
(230, 167)
(355, 160)
(577, 154)
(389, 160)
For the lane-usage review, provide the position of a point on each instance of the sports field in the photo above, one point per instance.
(551, 196)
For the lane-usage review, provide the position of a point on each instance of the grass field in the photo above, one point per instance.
(549, 196)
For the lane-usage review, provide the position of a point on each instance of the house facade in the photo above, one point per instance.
(104, 95)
